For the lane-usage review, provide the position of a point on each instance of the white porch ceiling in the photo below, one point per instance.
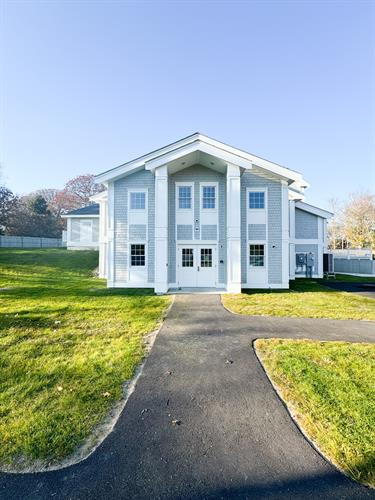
(197, 158)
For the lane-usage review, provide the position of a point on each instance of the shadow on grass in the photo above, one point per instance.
(300, 285)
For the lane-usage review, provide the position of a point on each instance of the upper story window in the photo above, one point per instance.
(256, 199)
(209, 197)
(184, 197)
(137, 200)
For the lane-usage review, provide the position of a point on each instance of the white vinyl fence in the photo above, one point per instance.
(30, 242)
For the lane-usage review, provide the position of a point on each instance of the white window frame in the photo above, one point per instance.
(184, 184)
(253, 242)
(130, 254)
(137, 210)
(209, 184)
(255, 190)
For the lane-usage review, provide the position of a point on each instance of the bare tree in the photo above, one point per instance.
(359, 220)
(82, 187)
(336, 235)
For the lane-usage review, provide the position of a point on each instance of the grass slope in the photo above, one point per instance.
(305, 298)
(67, 344)
(329, 388)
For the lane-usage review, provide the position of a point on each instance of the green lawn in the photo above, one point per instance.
(329, 389)
(67, 345)
(305, 298)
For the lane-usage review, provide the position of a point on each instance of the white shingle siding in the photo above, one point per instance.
(306, 225)
(139, 180)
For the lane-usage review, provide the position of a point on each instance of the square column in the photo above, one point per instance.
(233, 229)
(292, 236)
(161, 229)
(285, 235)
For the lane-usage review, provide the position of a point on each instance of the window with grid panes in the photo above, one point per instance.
(206, 257)
(184, 197)
(256, 199)
(137, 201)
(256, 255)
(187, 257)
(138, 255)
(208, 197)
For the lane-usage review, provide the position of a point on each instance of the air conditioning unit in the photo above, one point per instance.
(328, 266)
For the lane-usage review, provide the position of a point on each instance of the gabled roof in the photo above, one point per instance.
(204, 144)
(314, 210)
(89, 210)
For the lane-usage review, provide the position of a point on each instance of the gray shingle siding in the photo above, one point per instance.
(145, 180)
(209, 232)
(307, 249)
(257, 231)
(197, 174)
(306, 225)
(274, 247)
(137, 232)
(184, 232)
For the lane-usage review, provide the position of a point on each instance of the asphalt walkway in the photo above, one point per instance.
(204, 421)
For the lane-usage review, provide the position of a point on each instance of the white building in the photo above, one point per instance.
(199, 213)
(82, 231)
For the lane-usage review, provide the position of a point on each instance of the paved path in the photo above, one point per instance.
(365, 289)
(236, 440)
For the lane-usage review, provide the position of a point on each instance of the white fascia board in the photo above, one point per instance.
(197, 146)
(102, 196)
(118, 172)
(139, 162)
(203, 143)
(83, 216)
(314, 210)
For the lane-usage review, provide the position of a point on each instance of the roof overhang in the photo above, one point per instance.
(98, 197)
(206, 146)
(78, 216)
(314, 210)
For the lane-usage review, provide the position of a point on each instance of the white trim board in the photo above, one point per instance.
(200, 142)
(313, 210)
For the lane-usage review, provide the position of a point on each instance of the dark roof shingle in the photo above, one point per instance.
(92, 209)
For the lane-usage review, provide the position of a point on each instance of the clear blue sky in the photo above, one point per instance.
(88, 85)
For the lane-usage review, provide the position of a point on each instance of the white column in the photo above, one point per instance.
(233, 229)
(102, 238)
(285, 266)
(321, 248)
(161, 229)
(292, 235)
(111, 236)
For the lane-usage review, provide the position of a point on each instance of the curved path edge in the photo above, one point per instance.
(204, 420)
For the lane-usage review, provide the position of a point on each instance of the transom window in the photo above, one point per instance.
(187, 257)
(184, 197)
(256, 199)
(209, 197)
(138, 255)
(138, 201)
(256, 255)
(206, 257)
